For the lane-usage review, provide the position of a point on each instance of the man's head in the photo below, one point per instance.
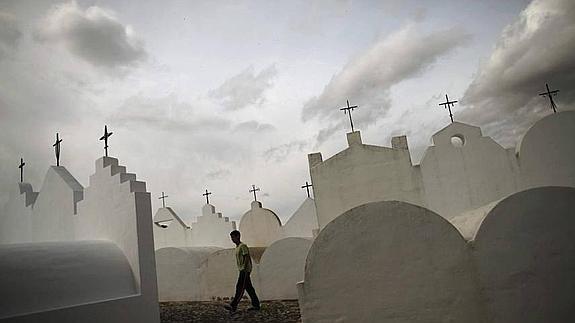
(235, 235)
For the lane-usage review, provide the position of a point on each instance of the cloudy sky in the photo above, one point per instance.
(225, 94)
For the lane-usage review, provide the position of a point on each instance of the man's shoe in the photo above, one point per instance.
(253, 309)
(230, 308)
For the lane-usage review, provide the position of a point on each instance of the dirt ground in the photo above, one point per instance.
(271, 311)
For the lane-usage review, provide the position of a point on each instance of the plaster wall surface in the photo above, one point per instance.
(282, 267)
(219, 273)
(389, 262)
(525, 255)
(86, 271)
(361, 174)
(16, 218)
(211, 229)
(303, 222)
(260, 227)
(547, 152)
(175, 234)
(458, 178)
(54, 216)
(178, 272)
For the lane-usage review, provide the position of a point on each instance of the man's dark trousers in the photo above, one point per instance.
(245, 283)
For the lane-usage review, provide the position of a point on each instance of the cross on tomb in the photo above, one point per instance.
(22, 163)
(550, 95)
(307, 186)
(163, 198)
(448, 104)
(56, 146)
(207, 195)
(349, 109)
(105, 138)
(254, 190)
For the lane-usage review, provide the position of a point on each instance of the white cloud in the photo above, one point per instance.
(367, 79)
(245, 89)
(94, 34)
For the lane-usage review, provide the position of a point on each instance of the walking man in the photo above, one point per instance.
(244, 262)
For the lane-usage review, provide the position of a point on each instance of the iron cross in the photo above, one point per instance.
(307, 186)
(56, 146)
(163, 198)
(22, 163)
(207, 195)
(105, 138)
(448, 104)
(349, 109)
(254, 190)
(550, 95)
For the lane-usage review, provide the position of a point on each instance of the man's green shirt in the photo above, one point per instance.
(244, 263)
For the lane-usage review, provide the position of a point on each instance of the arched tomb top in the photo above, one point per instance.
(406, 263)
(61, 274)
(524, 254)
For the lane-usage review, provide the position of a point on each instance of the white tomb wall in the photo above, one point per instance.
(459, 178)
(259, 226)
(219, 274)
(524, 251)
(361, 174)
(16, 219)
(176, 234)
(212, 229)
(86, 271)
(114, 222)
(54, 213)
(303, 222)
(282, 267)
(179, 272)
(390, 262)
(547, 153)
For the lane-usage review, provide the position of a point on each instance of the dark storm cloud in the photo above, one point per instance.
(94, 34)
(10, 34)
(537, 48)
(245, 89)
(367, 79)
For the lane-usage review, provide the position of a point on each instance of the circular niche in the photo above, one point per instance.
(457, 141)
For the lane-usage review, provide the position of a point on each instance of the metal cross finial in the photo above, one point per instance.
(254, 190)
(22, 163)
(307, 186)
(349, 109)
(105, 138)
(448, 104)
(550, 95)
(163, 198)
(207, 195)
(56, 146)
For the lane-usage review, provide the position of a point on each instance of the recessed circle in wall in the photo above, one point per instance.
(457, 141)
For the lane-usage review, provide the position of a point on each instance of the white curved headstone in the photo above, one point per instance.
(260, 227)
(525, 255)
(547, 152)
(389, 262)
(282, 267)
